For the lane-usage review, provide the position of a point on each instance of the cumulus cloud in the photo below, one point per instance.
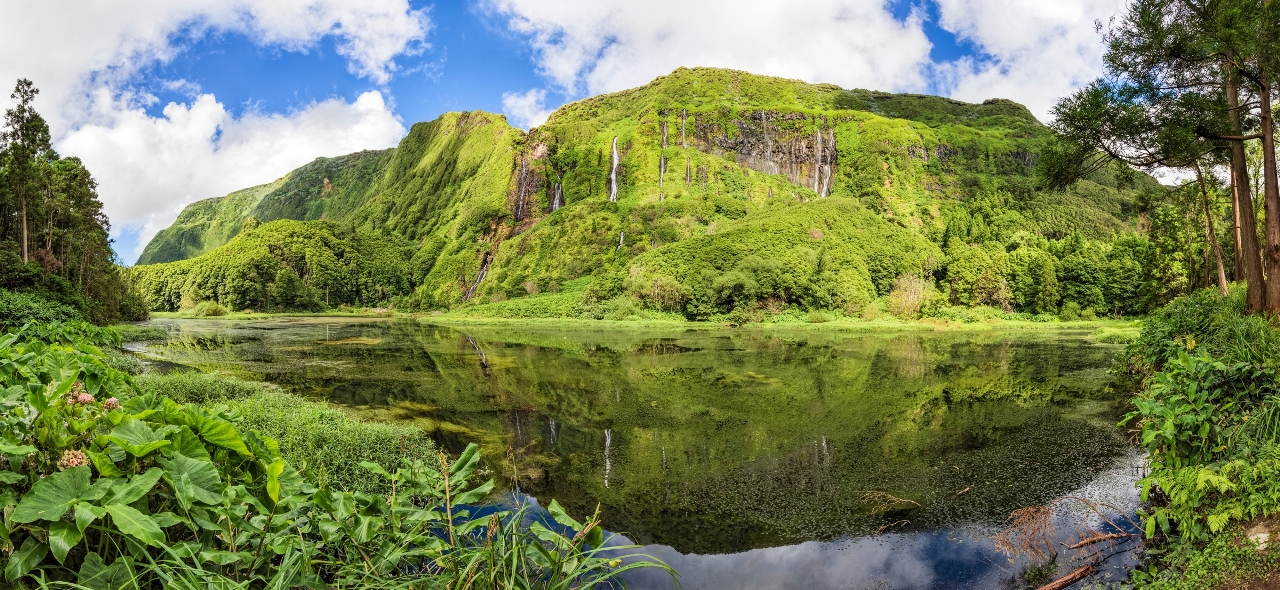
(591, 46)
(1037, 51)
(1030, 51)
(526, 109)
(86, 57)
(149, 168)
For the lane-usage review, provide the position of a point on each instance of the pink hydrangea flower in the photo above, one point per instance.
(110, 404)
(71, 459)
(81, 398)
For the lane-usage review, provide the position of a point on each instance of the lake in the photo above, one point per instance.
(745, 458)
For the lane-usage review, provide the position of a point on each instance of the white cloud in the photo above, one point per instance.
(597, 46)
(149, 168)
(1040, 51)
(526, 109)
(86, 56)
(1035, 51)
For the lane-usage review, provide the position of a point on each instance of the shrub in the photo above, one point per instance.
(209, 308)
(190, 387)
(75, 332)
(122, 361)
(1070, 311)
(328, 443)
(17, 309)
(908, 296)
(819, 317)
(135, 333)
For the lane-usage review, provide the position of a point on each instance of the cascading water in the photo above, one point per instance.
(551, 423)
(484, 270)
(662, 169)
(557, 198)
(622, 236)
(608, 465)
(613, 173)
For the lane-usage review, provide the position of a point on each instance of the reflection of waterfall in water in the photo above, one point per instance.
(484, 360)
(551, 423)
(613, 173)
(608, 441)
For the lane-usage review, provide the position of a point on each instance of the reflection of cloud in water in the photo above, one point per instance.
(891, 561)
(955, 559)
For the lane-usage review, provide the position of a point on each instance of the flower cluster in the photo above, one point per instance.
(111, 403)
(81, 398)
(72, 459)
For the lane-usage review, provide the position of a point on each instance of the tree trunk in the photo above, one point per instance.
(1211, 236)
(1270, 199)
(25, 256)
(1248, 219)
(1238, 271)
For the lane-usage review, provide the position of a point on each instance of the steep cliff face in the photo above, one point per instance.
(637, 182)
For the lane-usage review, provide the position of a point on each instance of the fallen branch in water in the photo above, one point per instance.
(891, 525)
(884, 501)
(1069, 579)
(1097, 539)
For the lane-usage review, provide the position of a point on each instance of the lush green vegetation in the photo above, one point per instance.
(108, 486)
(1207, 411)
(736, 195)
(283, 265)
(56, 261)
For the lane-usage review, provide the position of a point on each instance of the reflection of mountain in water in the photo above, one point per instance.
(717, 441)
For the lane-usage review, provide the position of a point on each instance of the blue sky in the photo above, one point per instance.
(472, 61)
(169, 103)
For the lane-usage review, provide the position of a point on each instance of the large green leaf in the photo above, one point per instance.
(187, 443)
(86, 513)
(194, 480)
(137, 487)
(562, 517)
(63, 536)
(50, 498)
(475, 495)
(136, 524)
(274, 469)
(102, 462)
(25, 559)
(97, 575)
(8, 448)
(216, 431)
(138, 438)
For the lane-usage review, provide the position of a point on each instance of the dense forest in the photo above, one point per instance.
(712, 193)
(56, 261)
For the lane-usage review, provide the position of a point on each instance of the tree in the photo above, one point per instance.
(25, 139)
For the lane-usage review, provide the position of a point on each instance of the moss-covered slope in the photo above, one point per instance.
(680, 183)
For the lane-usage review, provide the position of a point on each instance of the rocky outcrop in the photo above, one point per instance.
(799, 146)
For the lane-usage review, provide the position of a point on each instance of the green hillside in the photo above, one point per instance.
(708, 191)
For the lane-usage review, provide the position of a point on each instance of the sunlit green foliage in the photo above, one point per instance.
(283, 265)
(741, 220)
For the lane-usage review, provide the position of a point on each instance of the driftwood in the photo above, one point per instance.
(1098, 539)
(1069, 579)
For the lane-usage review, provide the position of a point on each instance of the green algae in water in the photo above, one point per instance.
(717, 440)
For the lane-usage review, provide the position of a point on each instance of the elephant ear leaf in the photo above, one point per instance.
(52, 496)
(63, 536)
(563, 517)
(217, 431)
(25, 559)
(136, 524)
(137, 487)
(95, 574)
(194, 480)
(138, 438)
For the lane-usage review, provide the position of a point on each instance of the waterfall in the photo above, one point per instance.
(817, 166)
(484, 270)
(552, 424)
(663, 126)
(661, 197)
(621, 236)
(608, 442)
(684, 115)
(557, 198)
(688, 172)
(662, 169)
(664, 458)
(613, 173)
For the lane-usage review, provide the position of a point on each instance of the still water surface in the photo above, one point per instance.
(743, 458)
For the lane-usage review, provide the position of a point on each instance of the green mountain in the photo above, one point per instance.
(705, 191)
